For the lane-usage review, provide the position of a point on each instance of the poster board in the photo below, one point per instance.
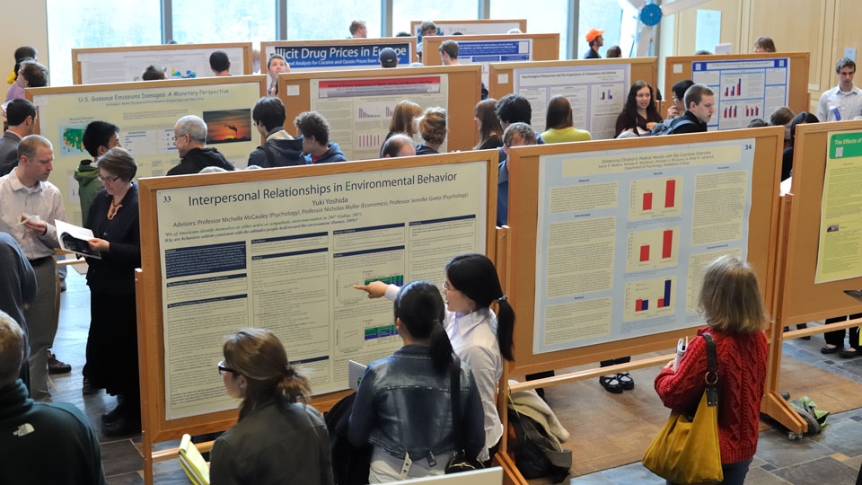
(730, 77)
(93, 65)
(484, 49)
(471, 27)
(146, 114)
(596, 88)
(358, 104)
(330, 55)
(645, 335)
(802, 300)
(165, 200)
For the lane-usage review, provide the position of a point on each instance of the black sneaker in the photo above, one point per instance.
(57, 367)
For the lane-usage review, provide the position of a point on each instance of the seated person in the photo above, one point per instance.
(639, 115)
(279, 438)
(403, 405)
(314, 130)
(280, 149)
(432, 129)
(31, 429)
(559, 126)
(678, 89)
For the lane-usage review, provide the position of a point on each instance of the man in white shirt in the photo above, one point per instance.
(843, 102)
(25, 193)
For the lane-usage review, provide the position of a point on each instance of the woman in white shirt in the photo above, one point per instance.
(479, 337)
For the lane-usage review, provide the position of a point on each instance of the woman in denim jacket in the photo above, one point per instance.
(403, 404)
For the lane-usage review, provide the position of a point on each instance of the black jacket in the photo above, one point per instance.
(279, 150)
(199, 158)
(114, 274)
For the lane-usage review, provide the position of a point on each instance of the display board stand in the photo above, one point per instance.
(306, 55)
(146, 55)
(524, 168)
(152, 351)
(545, 47)
(472, 26)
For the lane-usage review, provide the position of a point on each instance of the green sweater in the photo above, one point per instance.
(87, 176)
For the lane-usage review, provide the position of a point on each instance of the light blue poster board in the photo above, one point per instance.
(319, 57)
(744, 89)
(623, 237)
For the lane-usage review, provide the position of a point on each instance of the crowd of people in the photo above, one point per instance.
(469, 328)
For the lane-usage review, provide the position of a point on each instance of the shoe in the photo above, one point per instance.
(88, 389)
(626, 381)
(123, 426)
(829, 350)
(57, 367)
(803, 326)
(849, 354)
(114, 414)
(62, 285)
(611, 384)
(785, 395)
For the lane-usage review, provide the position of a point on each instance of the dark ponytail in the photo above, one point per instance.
(420, 308)
(475, 276)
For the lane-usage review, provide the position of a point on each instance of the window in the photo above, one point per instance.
(89, 23)
(330, 19)
(405, 11)
(602, 15)
(209, 21)
(551, 18)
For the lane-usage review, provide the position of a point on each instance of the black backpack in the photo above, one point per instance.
(350, 465)
(668, 127)
(536, 454)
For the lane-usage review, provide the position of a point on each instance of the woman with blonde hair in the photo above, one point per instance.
(432, 129)
(731, 304)
(488, 125)
(279, 438)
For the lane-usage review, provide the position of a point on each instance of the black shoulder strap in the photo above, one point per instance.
(455, 388)
(711, 371)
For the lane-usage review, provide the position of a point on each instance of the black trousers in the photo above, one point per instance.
(836, 338)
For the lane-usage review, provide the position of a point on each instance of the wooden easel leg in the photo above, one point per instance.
(511, 475)
(778, 409)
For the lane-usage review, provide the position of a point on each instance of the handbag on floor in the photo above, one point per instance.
(686, 450)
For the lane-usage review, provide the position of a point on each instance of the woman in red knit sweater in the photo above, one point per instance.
(732, 307)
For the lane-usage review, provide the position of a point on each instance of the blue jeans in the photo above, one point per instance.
(734, 473)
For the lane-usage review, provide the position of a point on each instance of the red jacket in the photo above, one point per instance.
(741, 380)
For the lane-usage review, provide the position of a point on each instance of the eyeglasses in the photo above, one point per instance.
(109, 180)
(222, 369)
(446, 287)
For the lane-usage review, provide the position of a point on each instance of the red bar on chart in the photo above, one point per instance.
(669, 193)
(644, 253)
(666, 244)
(647, 201)
(639, 305)
(660, 303)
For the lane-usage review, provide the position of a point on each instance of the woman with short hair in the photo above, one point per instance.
(279, 438)
(432, 128)
(732, 306)
(112, 342)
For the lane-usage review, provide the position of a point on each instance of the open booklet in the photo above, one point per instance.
(193, 462)
(74, 238)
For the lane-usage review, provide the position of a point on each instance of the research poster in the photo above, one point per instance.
(485, 52)
(623, 238)
(359, 110)
(126, 66)
(285, 254)
(839, 254)
(597, 94)
(744, 89)
(146, 116)
(339, 56)
(470, 28)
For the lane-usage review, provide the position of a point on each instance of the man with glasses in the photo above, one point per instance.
(31, 204)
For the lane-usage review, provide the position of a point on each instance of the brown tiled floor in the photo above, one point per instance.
(830, 458)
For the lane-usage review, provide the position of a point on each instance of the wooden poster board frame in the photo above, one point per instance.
(464, 87)
(546, 47)
(522, 23)
(801, 300)
(247, 63)
(641, 68)
(797, 96)
(151, 349)
(267, 47)
(523, 202)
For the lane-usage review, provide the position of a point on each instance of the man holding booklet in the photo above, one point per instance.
(31, 204)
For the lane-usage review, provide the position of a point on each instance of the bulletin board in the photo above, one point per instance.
(473, 27)
(340, 54)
